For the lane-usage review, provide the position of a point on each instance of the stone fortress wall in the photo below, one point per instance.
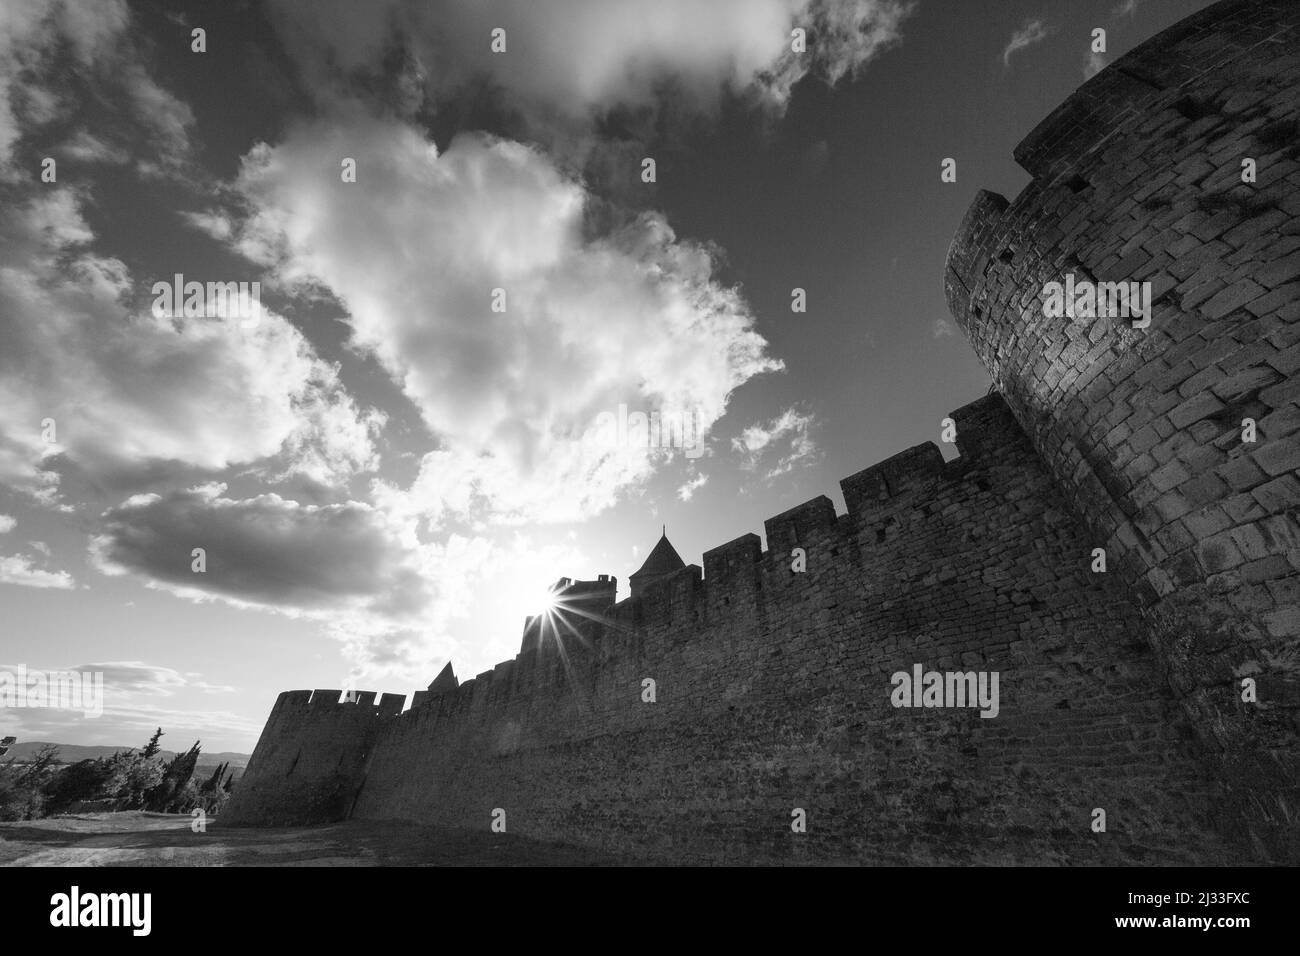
(1139, 176)
(1118, 691)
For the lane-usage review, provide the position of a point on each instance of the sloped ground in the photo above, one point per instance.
(161, 839)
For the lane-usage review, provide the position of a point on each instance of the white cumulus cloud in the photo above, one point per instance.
(19, 569)
(572, 56)
(417, 250)
(44, 45)
(777, 446)
(119, 389)
(687, 490)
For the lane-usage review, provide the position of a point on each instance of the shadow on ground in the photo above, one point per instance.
(163, 839)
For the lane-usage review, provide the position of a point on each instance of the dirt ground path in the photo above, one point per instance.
(160, 839)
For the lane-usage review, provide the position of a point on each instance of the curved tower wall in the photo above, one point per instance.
(1139, 177)
(773, 686)
(310, 762)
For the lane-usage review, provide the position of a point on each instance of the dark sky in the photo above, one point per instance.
(385, 472)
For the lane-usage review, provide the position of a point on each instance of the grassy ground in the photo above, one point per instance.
(161, 839)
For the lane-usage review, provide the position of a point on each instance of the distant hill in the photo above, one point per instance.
(71, 753)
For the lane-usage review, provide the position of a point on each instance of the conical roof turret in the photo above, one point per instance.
(662, 560)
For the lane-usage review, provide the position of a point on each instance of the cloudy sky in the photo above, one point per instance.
(465, 276)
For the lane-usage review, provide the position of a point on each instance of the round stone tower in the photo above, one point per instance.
(1175, 432)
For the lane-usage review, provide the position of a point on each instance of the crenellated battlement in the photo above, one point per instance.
(785, 531)
(730, 584)
(330, 700)
(735, 644)
(685, 721)
(1176, 168)
(312, 755)
(1151, 77)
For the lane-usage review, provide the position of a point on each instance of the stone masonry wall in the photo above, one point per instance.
(1138, 176)
(1118, 690)
(773, 692)
(309, 761)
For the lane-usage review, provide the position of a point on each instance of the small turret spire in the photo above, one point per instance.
(662, 560)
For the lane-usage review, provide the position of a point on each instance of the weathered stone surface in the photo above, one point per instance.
(1118, 690)
(1216, 352)
(773, 692)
